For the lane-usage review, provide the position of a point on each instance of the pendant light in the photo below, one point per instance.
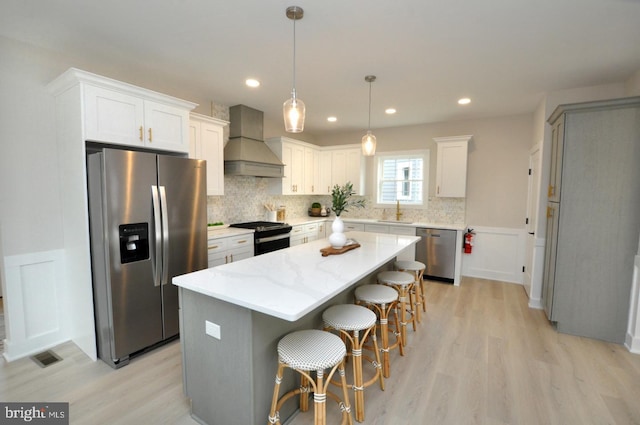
(293, 109)
(369, 140)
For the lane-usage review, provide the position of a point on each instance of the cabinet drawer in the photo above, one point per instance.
(376, 228)
(217, 245)
(402, 230)
(357, 227)
(242, 241)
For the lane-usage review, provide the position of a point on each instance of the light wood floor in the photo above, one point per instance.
(480, 356)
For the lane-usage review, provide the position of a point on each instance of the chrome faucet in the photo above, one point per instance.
(398, 213)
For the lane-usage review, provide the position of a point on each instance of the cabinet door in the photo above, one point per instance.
(338, 168)
(297, 169)
(311, 165)
(325, 182)
(451, 169)
(293, 160)
(212, 150)
(194, 140)
(166, 127)
(551, 241)
(353, 168)
(113, 117)
(557, 148)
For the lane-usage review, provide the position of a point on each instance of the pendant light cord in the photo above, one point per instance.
(369, 126)
(293, 91)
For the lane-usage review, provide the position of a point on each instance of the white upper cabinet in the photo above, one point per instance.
(313, 170)
(324, 173)
(451, 168)
(123, 114)
(206, 141)
(299, 159)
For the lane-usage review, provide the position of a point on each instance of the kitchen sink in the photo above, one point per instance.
(395, 221)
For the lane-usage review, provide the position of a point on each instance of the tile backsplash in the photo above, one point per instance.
(245, 197)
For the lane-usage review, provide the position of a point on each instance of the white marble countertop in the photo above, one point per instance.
(304, 220)
(291, 282)
(225, 232)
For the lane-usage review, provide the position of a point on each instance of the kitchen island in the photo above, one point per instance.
(232, 316)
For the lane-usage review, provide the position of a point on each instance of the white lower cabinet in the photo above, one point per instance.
(352, 227)
(224, 250)
(303, 233)
(410, 252)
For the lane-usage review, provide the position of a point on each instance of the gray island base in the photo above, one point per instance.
(233, 316)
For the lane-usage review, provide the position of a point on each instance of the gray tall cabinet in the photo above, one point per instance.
(593, 217)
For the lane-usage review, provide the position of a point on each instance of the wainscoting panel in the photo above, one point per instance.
(35, 304)
(498, 254)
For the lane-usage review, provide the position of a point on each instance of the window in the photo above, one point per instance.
(402, 176)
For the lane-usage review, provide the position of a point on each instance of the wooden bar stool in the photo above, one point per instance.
(382, 299)
(350, 320)
(416, 268)
(403, 283)
(305, 351)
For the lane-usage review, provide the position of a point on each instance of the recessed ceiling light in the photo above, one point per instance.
(332, 119)
(390, 111)
(252, 82)
(464, 101)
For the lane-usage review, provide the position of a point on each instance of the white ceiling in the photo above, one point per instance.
(503, 54)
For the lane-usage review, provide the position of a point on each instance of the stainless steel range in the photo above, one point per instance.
(269, 236)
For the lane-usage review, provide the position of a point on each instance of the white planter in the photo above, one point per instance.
(337, 237)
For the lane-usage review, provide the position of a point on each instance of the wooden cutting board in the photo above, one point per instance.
(337, 251)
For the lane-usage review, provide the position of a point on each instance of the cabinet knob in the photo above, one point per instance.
(150, 136)
(141, 130)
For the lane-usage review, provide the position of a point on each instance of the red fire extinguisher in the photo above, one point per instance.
(468, 241)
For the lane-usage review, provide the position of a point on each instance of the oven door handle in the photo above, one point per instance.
(272, 238)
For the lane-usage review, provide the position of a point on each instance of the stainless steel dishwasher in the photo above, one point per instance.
(437, 250)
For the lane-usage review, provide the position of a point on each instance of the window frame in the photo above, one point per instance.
(424, 154)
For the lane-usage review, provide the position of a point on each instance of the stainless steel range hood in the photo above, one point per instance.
(246, 154)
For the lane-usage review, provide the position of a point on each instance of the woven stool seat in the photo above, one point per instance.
(395, 278)
(377, 294)
(409, 265)
(349, 317)
(311, 350)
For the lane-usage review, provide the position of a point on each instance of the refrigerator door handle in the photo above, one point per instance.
(165, 235)
(156, 264)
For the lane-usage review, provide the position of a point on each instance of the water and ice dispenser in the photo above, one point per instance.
(134, 242)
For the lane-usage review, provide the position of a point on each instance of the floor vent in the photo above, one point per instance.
(46, 358)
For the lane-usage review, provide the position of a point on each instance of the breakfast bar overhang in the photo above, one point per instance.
(232, 317)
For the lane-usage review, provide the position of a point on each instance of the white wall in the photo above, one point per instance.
(498, 160)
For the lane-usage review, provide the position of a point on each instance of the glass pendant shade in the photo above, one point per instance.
(369, 140)
(293, 111)
(368, 144)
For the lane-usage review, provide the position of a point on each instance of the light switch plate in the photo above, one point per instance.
(212, 329)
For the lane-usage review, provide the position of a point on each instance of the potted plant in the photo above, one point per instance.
(315, 209)
(340, 202)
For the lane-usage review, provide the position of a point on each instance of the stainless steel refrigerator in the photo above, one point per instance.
(148, 224)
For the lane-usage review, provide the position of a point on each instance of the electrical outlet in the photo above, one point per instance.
(212, 329)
